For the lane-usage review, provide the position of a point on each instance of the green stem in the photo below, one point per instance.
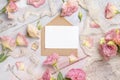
(63, 1)
(117, 12)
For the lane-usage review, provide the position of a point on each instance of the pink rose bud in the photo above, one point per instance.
(36, 3)
(11, 7)
(21, 40)
(51, 60)
(110, 11)
(69, 8)
(76, 74)
(108, 49)
(8, 42)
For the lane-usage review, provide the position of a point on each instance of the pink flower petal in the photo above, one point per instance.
(21, 40)
(51, 60)
(108, 50)
(69, 8)
(46, 75)
(8, 42)
(94, 25)
(36, 3)
(110, 11)
(20, 66)
(11, 7)
(76, 74)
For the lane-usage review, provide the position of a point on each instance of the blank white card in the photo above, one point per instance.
(61, 37)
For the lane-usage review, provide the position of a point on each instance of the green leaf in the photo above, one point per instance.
(60, 76)
(3, 57)
(118, 49)
(3, 10)
(80, 16)
(39, 26)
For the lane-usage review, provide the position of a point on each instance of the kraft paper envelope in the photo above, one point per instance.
(58, 21)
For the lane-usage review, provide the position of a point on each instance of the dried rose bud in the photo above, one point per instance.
(7, 42)
(32, 31)
(110, 11)
(21, 40)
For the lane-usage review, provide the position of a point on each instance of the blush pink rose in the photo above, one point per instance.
(46, 75)
(11, 7)
(108, 50)
(36, 3)
(8, 42)
(76, 74)
(110, 11)
(69, 8)
(51, 60)
(113, 35)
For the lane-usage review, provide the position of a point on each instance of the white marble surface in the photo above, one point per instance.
(21, 27)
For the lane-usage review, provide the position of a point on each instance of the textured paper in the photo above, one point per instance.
(61, 37)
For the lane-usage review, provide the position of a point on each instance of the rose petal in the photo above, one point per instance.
(51, 60)
(20, 66)
(36, 3)
(94, 25)
(72, 58)
(46, 75)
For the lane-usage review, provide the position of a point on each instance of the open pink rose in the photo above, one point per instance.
(69, 8)
(108, 49)
(51, 60)
(46, 75)
(76, 74)
(8, 42)
(36, 3)
(11, 7)
(21, 40)
(110, 11)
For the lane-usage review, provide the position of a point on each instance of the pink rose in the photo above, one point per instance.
(108, 49)
(113, 35)
(46, 75)
(36, 3)
(110, 11)
(76, 74)
(8, 42)
(51, 60)
(11, 7)
(69, 8)
(21, 40)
